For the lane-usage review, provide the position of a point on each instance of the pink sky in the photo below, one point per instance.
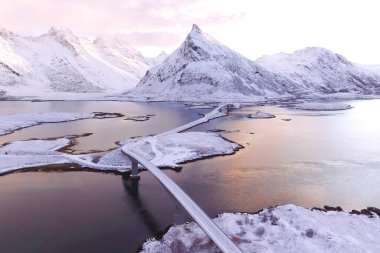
(251, 27)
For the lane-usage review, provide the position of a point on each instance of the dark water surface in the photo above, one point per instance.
(317, 158)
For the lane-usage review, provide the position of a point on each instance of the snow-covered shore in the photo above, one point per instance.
(287, 228)
(32, 153)
(323, 106)
(12, 122)
(167, 150)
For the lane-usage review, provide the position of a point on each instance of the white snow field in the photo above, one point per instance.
(12, 122)
(261, 115)
(287, 228)
(323, 106)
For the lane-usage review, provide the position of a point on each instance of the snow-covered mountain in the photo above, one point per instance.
(203, 69)
(200, 69)
(62, 61)
(320, 70)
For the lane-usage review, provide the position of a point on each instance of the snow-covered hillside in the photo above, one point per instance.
(200, 69)
(318, 69)
(62, 61)
(203, 69)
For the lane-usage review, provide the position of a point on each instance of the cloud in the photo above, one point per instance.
(146, 22)
(252, 27)
(108, 15)
(156, 39)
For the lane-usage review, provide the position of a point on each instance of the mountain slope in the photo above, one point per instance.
(61, 61)
(203, 68)
(320, 70)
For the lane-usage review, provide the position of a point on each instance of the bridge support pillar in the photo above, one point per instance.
(135, 169)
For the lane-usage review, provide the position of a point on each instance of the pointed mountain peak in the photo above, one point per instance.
(54, 31)
(195, 29)
(197, 34)
(63, 33)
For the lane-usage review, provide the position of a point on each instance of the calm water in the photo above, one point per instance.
(315, 159)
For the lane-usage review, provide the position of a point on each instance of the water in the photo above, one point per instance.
(315, 159)
(105, 132)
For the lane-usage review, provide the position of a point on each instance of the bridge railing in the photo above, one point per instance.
(200, 217)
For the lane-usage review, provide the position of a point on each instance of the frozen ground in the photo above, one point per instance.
(323, 106)
(12, 122)
(171, 149)
(163, 150)
(26, 154)
(287, 228)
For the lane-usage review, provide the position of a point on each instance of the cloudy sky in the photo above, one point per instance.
(251, 27)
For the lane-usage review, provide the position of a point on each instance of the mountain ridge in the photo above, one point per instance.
(203, 68)
(59, 61)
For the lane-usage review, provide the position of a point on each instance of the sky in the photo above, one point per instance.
(251, 27)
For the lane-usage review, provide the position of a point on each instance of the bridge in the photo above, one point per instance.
(200, 217)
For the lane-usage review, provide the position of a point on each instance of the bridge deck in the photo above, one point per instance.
(217, 235)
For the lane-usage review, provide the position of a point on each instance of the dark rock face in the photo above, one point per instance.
(331, 208)
(374, 210)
